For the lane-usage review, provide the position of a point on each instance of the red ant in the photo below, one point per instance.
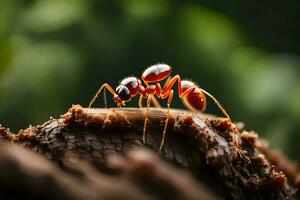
(192, 95)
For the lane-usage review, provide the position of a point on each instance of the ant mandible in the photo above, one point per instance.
(192, 95)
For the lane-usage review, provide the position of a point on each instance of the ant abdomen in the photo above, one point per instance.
(195, 99)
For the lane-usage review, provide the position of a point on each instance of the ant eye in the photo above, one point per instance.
(123, 92)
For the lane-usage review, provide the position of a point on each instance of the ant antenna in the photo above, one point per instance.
(104, 86)
(104, 98)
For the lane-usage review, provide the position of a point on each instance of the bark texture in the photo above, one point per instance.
(100, 152)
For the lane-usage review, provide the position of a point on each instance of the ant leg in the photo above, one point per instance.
(149, 99)
(104, 98)
(141, 101)
(185, 93)
(170, 98)
(155, 102)
(217, 102)
(167, 81)
(169, 85)
(105, 85)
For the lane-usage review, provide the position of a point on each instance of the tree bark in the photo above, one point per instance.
(206, 157)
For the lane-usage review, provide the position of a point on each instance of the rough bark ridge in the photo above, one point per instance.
(221, 162)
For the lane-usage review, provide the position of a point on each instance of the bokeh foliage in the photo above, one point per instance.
(55, 53)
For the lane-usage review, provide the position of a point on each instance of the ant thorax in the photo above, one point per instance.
(150, 89)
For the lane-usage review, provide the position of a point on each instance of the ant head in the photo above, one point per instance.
(122, 95)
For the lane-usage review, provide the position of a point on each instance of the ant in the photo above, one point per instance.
(192, 95)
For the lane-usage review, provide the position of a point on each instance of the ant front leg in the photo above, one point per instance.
(170, 95)
(149, 99)
(105, 85)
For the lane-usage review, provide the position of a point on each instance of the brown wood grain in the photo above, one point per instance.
(202, 157)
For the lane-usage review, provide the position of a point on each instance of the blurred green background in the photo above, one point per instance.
(55, 53)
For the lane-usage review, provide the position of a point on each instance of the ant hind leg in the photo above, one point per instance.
(218, 103)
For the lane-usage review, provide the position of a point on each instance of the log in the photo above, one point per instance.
(203, 156)
(27, 175)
